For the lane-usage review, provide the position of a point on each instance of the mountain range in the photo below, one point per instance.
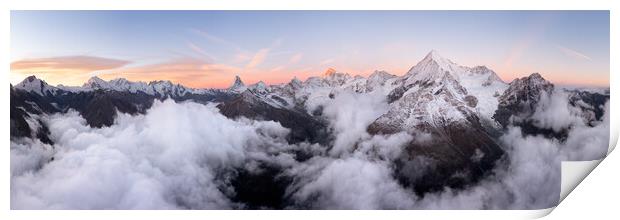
(455, 113)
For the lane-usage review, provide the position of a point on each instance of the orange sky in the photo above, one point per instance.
(198, 74)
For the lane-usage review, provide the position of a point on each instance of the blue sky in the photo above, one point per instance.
(207, 48)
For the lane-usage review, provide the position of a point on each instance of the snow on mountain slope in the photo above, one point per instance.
(479, 82)
(33, 84)
(437, 102)
(156, 88)
(238, 86)
(380, 80)
(432, 68)
(486, 86)
(468, 85)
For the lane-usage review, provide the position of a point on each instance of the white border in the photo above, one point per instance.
(288, 5)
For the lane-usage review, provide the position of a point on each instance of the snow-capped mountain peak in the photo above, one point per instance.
(33, 84)
(238, 85)
(260, 87)
(96, 83)
(334, 78)
(521, 96)
(434, 67)
(165, 88)
(296, 81)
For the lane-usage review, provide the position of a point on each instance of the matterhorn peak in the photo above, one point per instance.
(238, 85)
(238, 81)
(296, 80)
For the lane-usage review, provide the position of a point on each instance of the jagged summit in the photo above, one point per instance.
(96, 83)
(535, 77)
(433, 57)
(161, 82)
(521, 96)
(434, 67)
(379, 73)
(296, 80)
(260, 87)
(534, 80)
(30, 78)
(33, 84)
(238, 85)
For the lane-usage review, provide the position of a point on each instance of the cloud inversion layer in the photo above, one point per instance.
(183, 155)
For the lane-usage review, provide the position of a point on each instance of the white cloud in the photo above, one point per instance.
(554, 112)
(352, 183)
(165, 159)
(350, 114)
(180, 155)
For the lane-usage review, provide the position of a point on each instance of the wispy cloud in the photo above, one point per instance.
(277, 69)
(79, 64)
(258, 58)
(327, 61)
(296, 58)
(217, 40)
(573, 53)
(63, 70)
(200, 51)
(187, 71)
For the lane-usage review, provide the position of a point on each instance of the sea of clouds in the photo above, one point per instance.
(183, 156)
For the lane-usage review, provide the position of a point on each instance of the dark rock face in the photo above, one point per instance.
(594, 103)
(457, 154)
(303, 126)
(471, 101)
(521, 97)
(21, 105)
(98, 107)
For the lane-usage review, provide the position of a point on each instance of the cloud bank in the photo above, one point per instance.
(185, 156)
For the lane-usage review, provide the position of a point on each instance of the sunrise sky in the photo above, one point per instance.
(208, 48)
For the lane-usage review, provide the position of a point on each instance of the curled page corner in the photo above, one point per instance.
(573, 172)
